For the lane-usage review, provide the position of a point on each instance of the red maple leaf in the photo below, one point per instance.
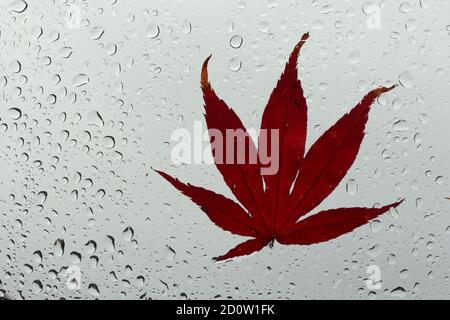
(275, 203)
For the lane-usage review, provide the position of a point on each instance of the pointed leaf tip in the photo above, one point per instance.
(245, 248)
(204, 76)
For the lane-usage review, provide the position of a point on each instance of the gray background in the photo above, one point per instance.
(110, 74)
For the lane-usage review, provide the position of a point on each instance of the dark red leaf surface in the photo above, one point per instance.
(274, 203)
(329, 159)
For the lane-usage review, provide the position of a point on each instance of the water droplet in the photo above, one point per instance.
(186, 27)
(110, 243)
(375, 225)
(369, 8)
(90, 247)
(95, 118)
(401, 125)
(439, 180)
(405, 7)
(128, 234)
(354, 57)
(58, 247)
(264, 26)
(37, 286)
(97, 33)
(93, 290)
(42, 197)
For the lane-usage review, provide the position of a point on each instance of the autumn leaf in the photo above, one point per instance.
(271, 207)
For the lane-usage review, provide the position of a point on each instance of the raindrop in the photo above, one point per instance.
(375, 225)
(95, 118)
(97, 33)
(405, 79)
(37, 286)
(14, 113)
(401, 125)
(236, 41)
(110, 243)
(111, 49)
(75, 257)
(153, 30)
(37, 256)
(398, 292)
(264, 26)
(351, 187)
(37, 32)
(369, 8)
(93, 290)
(80, 80)
(109, 142)
(42, 197)
(58, 247)
(73, 283)
(186, 27)
(128, 234)
(354, 57)
(15, 66)
(90, 247)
